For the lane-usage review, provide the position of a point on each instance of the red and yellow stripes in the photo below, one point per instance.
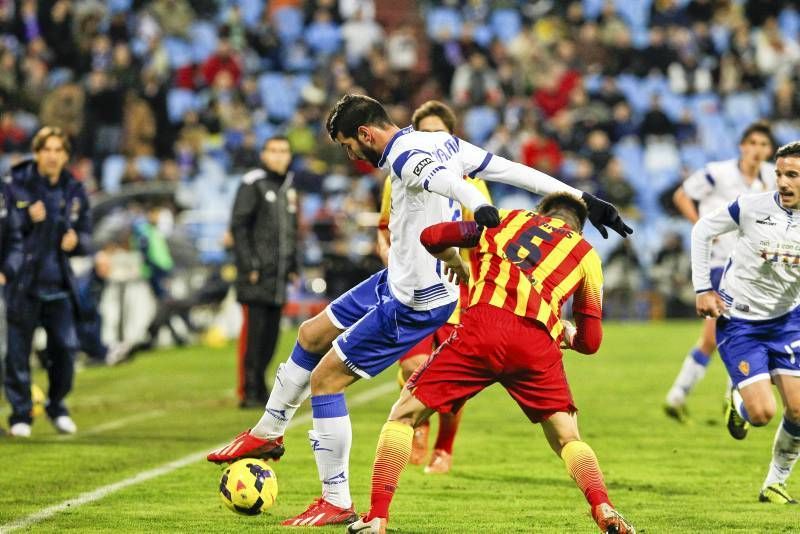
(391, 457)
(582, 466)
(561, 263)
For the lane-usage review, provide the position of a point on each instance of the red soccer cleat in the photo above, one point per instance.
(610, 521)
(246, 445)
(321, 513)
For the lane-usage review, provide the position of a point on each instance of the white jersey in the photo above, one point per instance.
(762, 276)
(421, 164)
(718, 184)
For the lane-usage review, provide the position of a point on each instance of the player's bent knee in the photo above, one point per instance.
(312, 336)
(761, 415)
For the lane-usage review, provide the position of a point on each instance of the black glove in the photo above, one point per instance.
(487, 215)
(603, 214)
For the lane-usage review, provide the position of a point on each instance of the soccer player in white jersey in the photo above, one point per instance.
(368, 328)
(715, 185)
(757, 308)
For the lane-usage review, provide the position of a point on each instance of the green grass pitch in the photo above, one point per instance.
(170, 404)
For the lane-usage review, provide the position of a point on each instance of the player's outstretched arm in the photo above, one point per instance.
(461, 234)
(499, 169)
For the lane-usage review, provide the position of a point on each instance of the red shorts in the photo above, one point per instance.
(427, 345)
(493, 345)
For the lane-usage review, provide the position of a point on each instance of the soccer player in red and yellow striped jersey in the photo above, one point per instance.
(431, 116)
(511, 333)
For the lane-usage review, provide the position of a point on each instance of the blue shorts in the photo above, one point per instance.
(379, 329)
(757, 350)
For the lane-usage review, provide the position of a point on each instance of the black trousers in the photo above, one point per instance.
(263, 325)
(57, 318)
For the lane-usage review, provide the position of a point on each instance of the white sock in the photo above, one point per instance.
(330, 441)
(785, 450)
(690, 374)
(291, 388)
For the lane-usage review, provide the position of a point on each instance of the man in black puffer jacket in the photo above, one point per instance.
(54, 212)
(264, 228)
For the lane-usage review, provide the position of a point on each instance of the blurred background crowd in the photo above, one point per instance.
(168, 102)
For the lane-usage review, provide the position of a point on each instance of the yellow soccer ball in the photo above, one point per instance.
(248, 486)
(38, 399)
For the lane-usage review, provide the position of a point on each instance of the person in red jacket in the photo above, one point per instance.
(511, 333)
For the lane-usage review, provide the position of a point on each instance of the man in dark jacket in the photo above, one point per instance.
(264, 227)
(11, 256)
(54, 211)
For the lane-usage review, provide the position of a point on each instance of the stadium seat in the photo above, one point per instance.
(323, 38)
(443, 21)
(148, 166)
(483, 35)
(789, 23)
(636, 14)
(179, 101)
(204, 40)
(111, 173)
(479, 123)
(592, 8)
(251, 11)
(263, 131)
(288, 21)
(279, 95)
(506, 24)
(179, 52)
(741, 109)
(118, 6)
(693, 157)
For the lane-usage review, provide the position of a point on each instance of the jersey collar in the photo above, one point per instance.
(407, 129)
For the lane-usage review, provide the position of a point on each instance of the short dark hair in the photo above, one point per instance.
(435, 108)
(761, 127)
(555, 202)
(352, 111)
(791, 150)
(46, 133)
(275, 138)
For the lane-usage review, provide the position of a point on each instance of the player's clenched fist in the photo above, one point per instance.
(709, 304)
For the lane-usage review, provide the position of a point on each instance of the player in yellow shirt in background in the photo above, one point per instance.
(432, 116)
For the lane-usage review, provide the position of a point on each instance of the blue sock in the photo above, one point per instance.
(327, 406)
(700, 357)
(791, 427)
(305, 359)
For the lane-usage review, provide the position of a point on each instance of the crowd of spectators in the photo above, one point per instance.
(619, 98)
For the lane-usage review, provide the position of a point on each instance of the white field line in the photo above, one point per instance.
(144, 476)
(116, 424)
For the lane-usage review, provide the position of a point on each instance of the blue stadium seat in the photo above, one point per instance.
(148, 166)
(631, 155)
(741, 109)
(251, 11)
(635, 92)
(264, 131)
(721, 37)
(479, 123)
(118, 6)
(673, 105)
(297, 57)
(288, 21)
(785, 132)
(179, 52)
(179, 101)
(593, 8)
(789, 23)
(506, 24)
(636, 14)
(441, 19)
(279, 95)
(483, 35)
(204, 40)
(323, 38)
(111, 173)
(693, 157)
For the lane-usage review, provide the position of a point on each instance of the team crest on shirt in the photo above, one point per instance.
(744, 367)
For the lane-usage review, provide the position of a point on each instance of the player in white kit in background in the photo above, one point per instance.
(715, 185)
(757, 308)
(368, 328)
